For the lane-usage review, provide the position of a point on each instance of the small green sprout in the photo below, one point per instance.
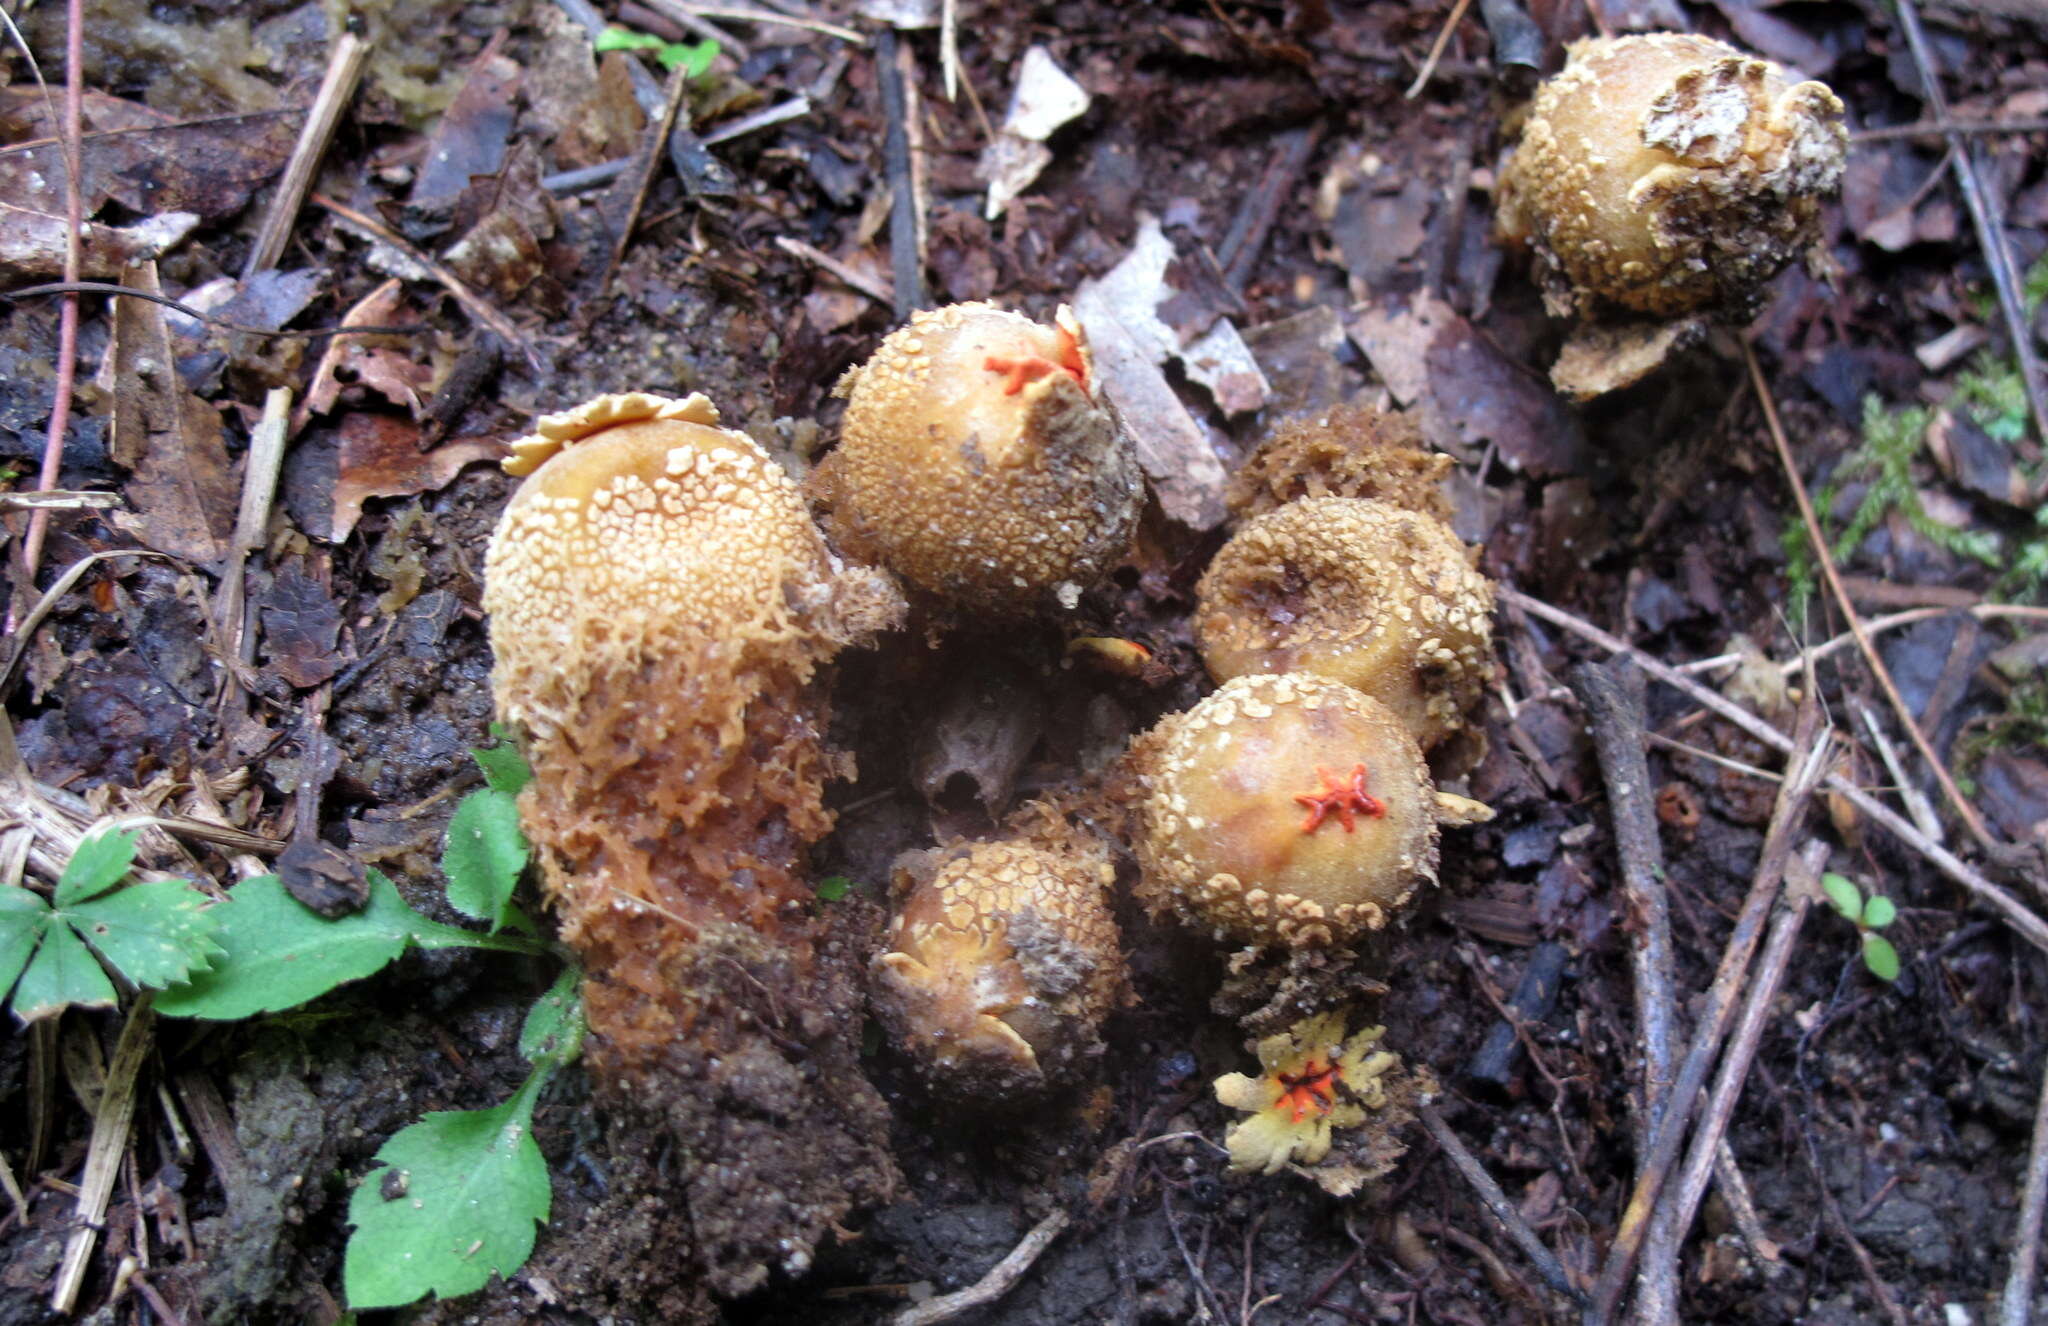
(833, 888)
(1869, 915)
(692, 58)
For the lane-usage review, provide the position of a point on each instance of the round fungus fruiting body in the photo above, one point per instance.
(1000, 964)
(1282, 810)
(660, 603)
(1669, 174)
(977, 462)
(1382, 599)
(1348, 450)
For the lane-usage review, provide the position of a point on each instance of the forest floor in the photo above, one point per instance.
(327, 679)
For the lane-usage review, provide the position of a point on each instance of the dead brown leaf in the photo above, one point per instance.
(381, 457)
(182, 491)
(158, 164)
(301, 623)
(32, 242)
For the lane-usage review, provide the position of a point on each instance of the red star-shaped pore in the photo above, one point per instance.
(1030, 368)
(1312, 1091)
(1343, 797)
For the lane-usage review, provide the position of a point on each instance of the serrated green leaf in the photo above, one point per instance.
(99, 863)
(504, 765)
(155, 934)
(456, 1200)
(63, 973)
(484, 855)
(1879, 912)
(833, 888)
(1880, 956)
(553, 1033)
(23, 914)
(1847, 898)
(275, 953)
(620, 39)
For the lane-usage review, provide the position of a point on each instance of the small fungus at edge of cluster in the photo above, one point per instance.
(1312, 1079)
(1000, 964)
(1382, 599)
(1282, 810)
(977, 462)
(1666, 176)
(1348, 450)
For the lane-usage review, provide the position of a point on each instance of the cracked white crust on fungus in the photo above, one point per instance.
(1359, 591)
(1224, 831)
(1669, 174)
(977, 463)
(1000, 964)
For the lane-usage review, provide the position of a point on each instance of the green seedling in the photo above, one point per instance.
(457, 1197)
(692, 58)
(1869, 915)
(56, 952)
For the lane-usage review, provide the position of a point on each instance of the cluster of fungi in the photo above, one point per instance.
(665, 608)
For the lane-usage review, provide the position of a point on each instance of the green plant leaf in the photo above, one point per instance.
(63, 973)
(99, 863)
(692, 60)
(553, 1034)
(155, 934)
(504, 765)
(1847, 898)
(1879, 912)
(276, 954)
(1880, 956)
(484, 855)
(455, 1200)
(621, 39)
(833, 888)
(23, 914)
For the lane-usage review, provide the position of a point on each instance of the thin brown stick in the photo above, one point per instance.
(904, 256)
(1614, 709)
(1935, 129)
(1802, 773)
(1000, 1278)
(1877, 626)
(1822, 554)
(111, 1121)
(1436, 50)
(689, 18)
(646, 162)
(476, 305)
(344, 70)
(201, 315)
(763, 18)
(1497, 1204)
(67, 313)
(2019, 326)
(2030, 927)
(2017, 1307)
(867, 285)
(1657, 1285)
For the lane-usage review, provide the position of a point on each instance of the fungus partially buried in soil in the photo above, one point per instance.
(660, 603)
(1284, 810)
(1358, 591)
(1000, 964)
(1348, 450)
(1662, 180)
(977, 463)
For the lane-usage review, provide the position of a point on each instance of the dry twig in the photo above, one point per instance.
(344, 70)
(1497, 1203)
(1000, 1278)
(110, 1127)
(1821, 554)
(1990, 233)
(1802, 773)
(903, 220)
(2030, 927)
(1612, 695)
(858, 280)
(2017, 1307)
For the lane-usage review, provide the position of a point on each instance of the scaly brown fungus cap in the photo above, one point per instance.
(976, 462)
(1282, 810)
(1357, 591)
(641, 519)
(1000, 965)
(1349, 450)
(1669, 174)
